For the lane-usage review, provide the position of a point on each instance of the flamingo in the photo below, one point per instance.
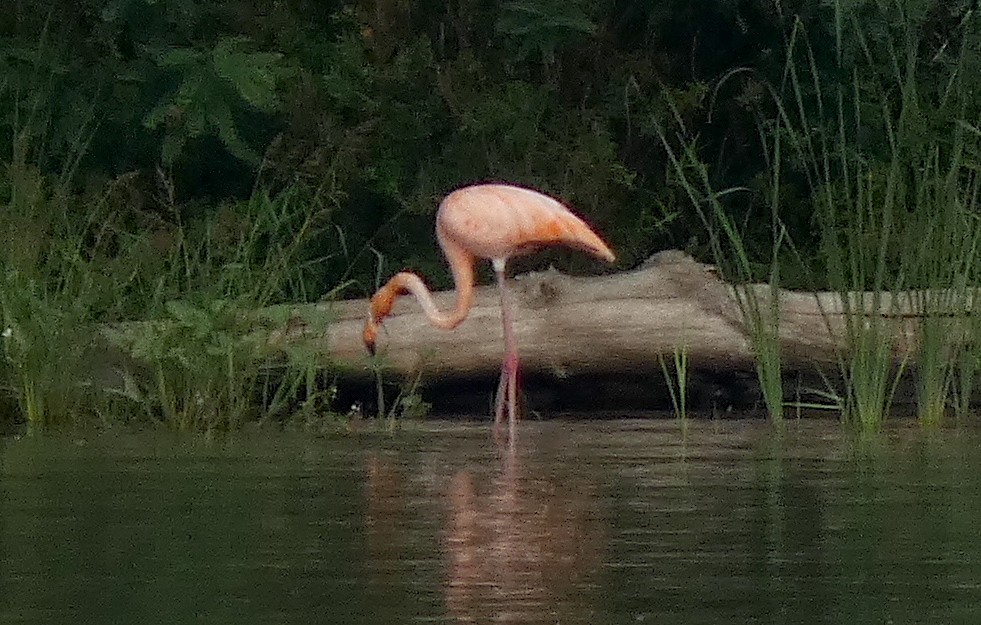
(494, 222)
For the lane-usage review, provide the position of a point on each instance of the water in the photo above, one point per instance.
(590, 522)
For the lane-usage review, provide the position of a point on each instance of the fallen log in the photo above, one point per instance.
(569, 326)
(598, 341)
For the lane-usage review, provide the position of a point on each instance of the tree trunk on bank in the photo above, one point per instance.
(600, 338)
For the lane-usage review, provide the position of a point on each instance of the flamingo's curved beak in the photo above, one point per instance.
(370, 334)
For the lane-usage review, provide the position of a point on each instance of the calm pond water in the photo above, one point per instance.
(589, 522)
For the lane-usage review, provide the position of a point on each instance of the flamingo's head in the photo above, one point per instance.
(381, 304)
(370, 333)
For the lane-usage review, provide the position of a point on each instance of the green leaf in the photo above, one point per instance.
(211, 88)
(177, 57)
(221, 117)
(253, 74)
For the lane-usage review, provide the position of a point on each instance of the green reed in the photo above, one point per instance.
(676, 380)
(890, 219)
(892, 168)
(760, 310)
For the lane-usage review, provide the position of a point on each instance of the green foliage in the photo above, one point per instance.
(204, 364)
(209, 348)
(892, 171)
(73, 262)
(760, 311)
(388, 105)
(538, 29)
(676, 380)
(50, 292)
(886, 156)
(212, 84)
(49, 298)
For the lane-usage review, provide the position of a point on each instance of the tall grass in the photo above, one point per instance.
(760, 311)
(945, 251)
(966, 364)
(676, 380)
(208, 305)
(856, 200)
(195, 350)
(893, 218)
(48, 293)
(893, 172)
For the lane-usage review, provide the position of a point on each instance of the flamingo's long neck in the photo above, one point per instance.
(461, 264)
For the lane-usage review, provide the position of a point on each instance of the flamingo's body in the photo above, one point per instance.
(494, 222)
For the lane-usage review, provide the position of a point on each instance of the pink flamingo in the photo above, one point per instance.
(495, 222)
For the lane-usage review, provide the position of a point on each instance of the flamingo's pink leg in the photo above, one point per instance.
(513, 396)
(499, 397)
(508, 384)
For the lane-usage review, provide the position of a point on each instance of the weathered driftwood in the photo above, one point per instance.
(616, 325)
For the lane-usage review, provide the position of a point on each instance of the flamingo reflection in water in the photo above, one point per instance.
(517, 545)
(520, 546)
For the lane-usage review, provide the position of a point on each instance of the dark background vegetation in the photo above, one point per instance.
(377, 109)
